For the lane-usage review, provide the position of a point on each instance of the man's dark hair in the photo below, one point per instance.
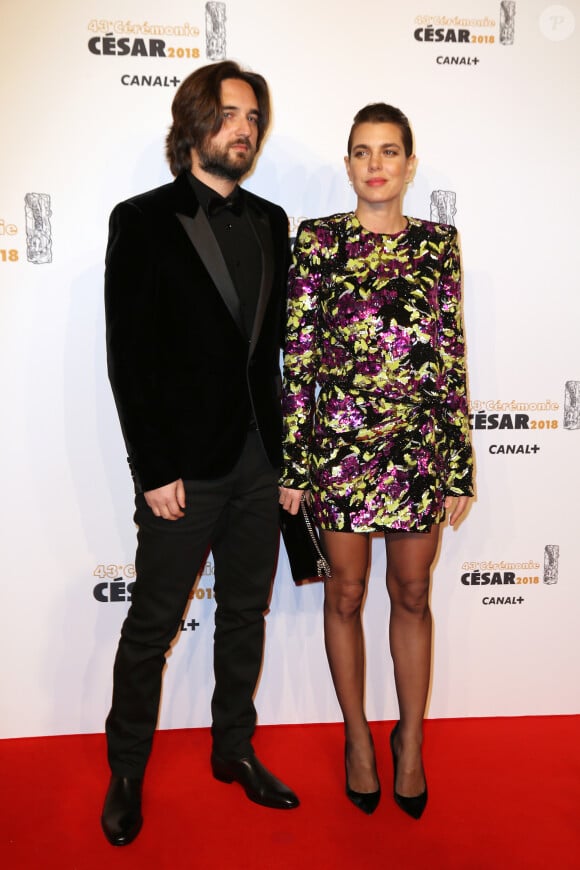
(196, 109)
(382, 113)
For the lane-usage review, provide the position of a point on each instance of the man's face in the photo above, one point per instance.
(230, 153)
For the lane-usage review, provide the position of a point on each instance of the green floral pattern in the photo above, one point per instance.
(374, 322)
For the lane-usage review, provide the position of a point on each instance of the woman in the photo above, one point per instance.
(374, 319)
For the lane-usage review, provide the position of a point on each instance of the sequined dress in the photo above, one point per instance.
(374, 375)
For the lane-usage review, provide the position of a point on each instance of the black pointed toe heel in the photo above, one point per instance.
(415, 805)
(365, 801)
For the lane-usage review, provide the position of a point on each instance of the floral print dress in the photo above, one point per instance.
(374, 375)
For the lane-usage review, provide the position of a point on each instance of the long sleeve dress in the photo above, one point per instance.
(374, 398)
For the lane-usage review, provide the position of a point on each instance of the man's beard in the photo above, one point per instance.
(218, 161)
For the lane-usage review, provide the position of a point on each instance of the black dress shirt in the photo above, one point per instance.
(238, 243)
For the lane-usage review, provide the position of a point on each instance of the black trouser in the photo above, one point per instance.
(237, 516)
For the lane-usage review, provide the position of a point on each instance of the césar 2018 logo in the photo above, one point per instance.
(512, 575)
(116, 583)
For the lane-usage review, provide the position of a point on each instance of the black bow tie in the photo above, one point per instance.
(217, 204)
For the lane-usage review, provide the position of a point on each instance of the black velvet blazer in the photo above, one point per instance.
(185, 377)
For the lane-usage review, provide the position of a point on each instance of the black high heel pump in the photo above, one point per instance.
(415, 805)
(365, 801)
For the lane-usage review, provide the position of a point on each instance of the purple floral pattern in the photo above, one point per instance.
(375, 401)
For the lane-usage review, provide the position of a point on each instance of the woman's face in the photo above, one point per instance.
(377, 165)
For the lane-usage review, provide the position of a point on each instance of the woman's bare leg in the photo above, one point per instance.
(409, 559)
(348, 554)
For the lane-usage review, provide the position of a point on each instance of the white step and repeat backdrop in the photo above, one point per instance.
(491, 90)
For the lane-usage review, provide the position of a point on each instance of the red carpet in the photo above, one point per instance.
(503, 793)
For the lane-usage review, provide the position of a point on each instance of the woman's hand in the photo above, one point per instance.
(290, 499)
(457, 505)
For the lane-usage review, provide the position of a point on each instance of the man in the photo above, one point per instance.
(194, 290)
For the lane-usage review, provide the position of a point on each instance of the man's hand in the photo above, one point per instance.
(168, 501)
(290, 499)
(457, 506)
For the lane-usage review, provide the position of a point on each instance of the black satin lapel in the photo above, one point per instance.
(261, 227)
(204, 242)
